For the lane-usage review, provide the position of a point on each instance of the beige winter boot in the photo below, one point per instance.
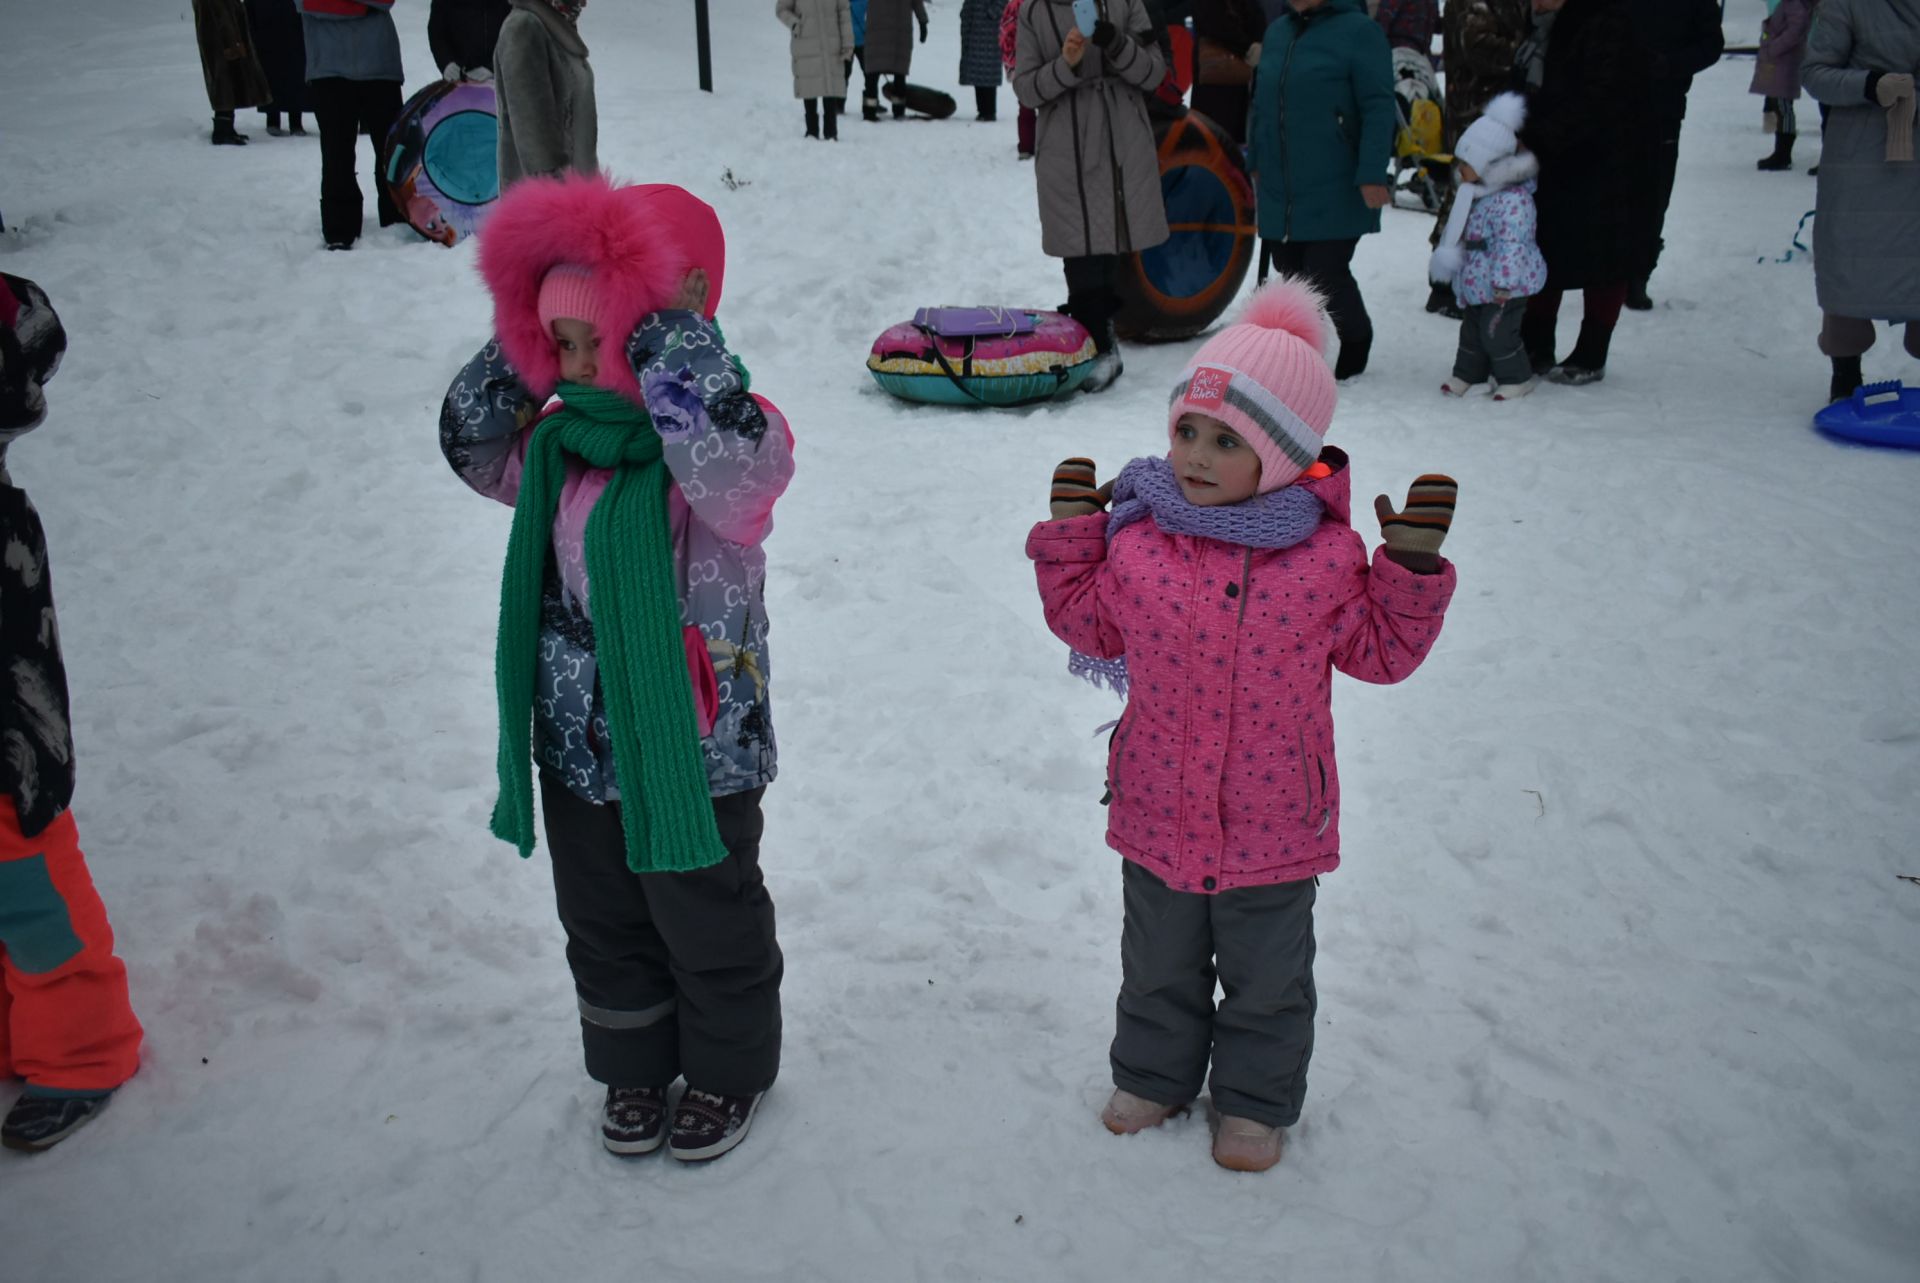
(1243, 1145)
(1127, 1113)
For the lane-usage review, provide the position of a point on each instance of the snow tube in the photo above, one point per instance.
(1181, 286)
(1033, 356)
(440, 161)
(1877, 414)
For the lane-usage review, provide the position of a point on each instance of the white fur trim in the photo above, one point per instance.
(1509, 171)
(1446, 264)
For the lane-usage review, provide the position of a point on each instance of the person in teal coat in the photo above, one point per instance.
(1321, 138)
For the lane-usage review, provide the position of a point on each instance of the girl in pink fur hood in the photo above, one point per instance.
(1218, 592)
(631, 667)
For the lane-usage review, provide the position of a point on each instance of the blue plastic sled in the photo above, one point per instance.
(1877, 414)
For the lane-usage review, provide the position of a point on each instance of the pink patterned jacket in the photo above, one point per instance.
(1222, 768)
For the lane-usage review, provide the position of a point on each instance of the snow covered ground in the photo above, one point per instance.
(1619, 981)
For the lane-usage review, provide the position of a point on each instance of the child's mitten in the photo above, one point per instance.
(1074, 494)
(1413, 534)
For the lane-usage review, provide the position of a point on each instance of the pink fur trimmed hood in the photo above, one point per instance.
(639, 242)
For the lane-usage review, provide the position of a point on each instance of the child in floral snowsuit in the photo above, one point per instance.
(633, 628)
(1487, 252)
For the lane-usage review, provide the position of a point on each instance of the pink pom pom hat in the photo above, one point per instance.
(1266, 377)
(621, 253)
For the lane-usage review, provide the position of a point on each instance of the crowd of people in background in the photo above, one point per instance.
(1605, 82)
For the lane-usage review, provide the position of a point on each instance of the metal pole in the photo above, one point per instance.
(704, 39)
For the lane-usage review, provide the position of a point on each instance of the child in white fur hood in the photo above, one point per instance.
(1488, 254)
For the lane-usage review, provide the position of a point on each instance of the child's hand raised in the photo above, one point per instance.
(1074, 494)
(1413, 535)
(692, 296)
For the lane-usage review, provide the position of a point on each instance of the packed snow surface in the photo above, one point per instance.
(1618, 981)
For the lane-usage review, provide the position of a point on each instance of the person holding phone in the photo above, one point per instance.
(1086, 68)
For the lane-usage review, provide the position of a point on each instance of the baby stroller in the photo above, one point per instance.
(1420, 167)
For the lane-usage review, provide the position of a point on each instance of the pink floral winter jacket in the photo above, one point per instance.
(1222, 768)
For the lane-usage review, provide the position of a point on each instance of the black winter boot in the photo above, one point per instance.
(1782, 157)
(224, 134)
(1846, 378)
(813, 118)
(1352, 361)
(869, 109)
(1587, 363)
(1637, 298)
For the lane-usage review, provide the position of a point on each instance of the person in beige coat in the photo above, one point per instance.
(821, 47)
(548, 121)
(1095, 163)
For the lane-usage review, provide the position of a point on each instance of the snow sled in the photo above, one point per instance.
(1181, 286)
(1876, 414)
(973, 356)
(440, 162)
(920, 100)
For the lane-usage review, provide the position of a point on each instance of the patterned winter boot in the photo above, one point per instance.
(707, 1125)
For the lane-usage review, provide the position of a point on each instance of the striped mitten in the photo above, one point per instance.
(1074, 494)
(1413, 534)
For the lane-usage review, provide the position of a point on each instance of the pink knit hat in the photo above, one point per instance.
(1266, 377)
(568, 291)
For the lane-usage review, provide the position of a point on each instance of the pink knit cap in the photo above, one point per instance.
(568, 292)
(1266, 377)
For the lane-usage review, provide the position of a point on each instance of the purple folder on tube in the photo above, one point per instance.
(973, 322)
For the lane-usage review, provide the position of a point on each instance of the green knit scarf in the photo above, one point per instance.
(665, 809)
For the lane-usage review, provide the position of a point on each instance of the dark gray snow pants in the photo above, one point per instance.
(1258, 943)
(678, 974)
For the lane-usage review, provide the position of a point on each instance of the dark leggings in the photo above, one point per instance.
(1328, 266)
(1601, 303)
(345, 109)
(1092, 298)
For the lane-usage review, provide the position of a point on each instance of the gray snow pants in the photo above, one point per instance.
(1258, 943)
(1845, 336)
(678, 974)
(1490, 344)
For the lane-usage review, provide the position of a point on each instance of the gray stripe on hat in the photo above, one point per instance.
(1279, 431)
(607, 1018)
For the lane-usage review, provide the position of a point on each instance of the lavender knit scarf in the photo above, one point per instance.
(1147, 488)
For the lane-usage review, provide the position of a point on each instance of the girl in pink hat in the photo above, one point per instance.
(631, 669)
(1217, 592)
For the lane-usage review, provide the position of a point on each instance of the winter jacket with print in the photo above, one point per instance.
(731, 456)
(36, 737)
(1222, 768)
(1501, 254)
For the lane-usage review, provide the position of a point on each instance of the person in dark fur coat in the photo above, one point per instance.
(234, 76)
(980, 54)
(1479, 41)
(1593, 126)
(1682, 38)
(462, 34)
(66, 1025)
(283, 54)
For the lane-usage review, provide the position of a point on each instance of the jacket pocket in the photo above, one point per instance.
(706, 684)
(1116, 754)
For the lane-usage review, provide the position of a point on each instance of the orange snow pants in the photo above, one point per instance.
(66, 1025)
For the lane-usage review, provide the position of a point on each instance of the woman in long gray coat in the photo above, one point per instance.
(890, 50)
(822, 43)
(1861, 60)
(1095, 163)
(549, 123)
